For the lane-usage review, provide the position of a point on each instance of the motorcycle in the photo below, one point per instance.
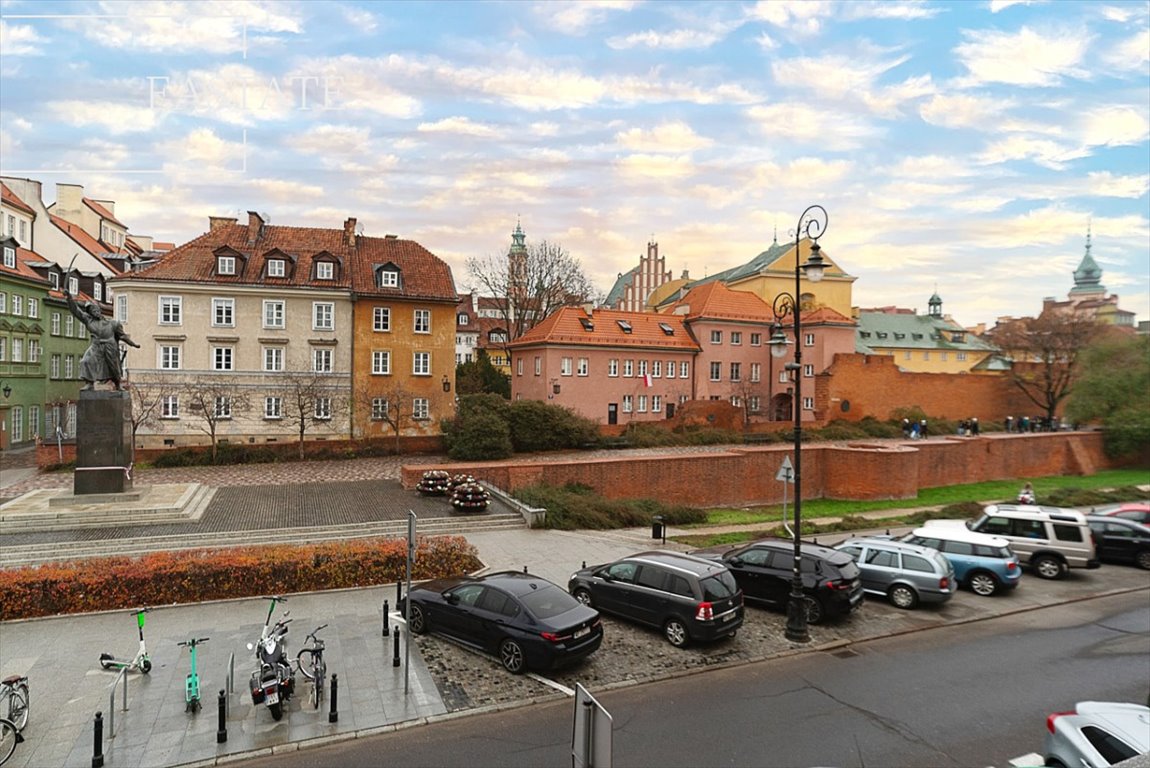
(274, 681)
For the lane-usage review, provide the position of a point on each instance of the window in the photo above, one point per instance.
(379, 408)
(882, 558)
(419, 408)
(808, 403)
(657, 369)
(3, 302)
(23, 231)
(273, 314)
(943, 356)
(321, 360)
(684, 370)
(1112, 749)
(628, 368)
(381, 320)
(54, 367)
(960, 357)
(98, 291)
(273, 359)
(388, 278)
(17, 423)
(170, 407)
(324, 270)
(613, 367)
(226, 265)
(716, 371)
(276, 268)
(17, 350)
(642, 403)
(380, 363)
(34, 307)
(538, 365)
(323, 316)
(565, 367)
(54, 277)
(736, 372)
(756, 372)
(1067, 532)
(756, 339)
(808, 370)
(716, 337)
(518, 365)
(33, 350)
(73, 285)
(581, 368)
(656, 403)
(753, 403)
(736, 337)
(627, 401)
(808, 339)
(122, 308)
(69, 367)
(784, 376)
(71, 328)
(171, 310)
(462, 319)
(642, 367)
(926, 355)
(222, 358)
(323, 408)
(17, 304)
(423, 321)
(223, 407)
(906, 355)
(916, 563)
(33, 417)
(273, 407)
(421, 364)
(3, 348)
(224, 312)
(169, 358)
(10, 257)
(55, 323)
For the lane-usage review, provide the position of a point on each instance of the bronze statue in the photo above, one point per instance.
(101, 360)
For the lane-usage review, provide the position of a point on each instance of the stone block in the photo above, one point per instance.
(104, 450)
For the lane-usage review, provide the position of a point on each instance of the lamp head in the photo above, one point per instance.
(7, 391)
(815, 265)
(778, 342)
(446, 384)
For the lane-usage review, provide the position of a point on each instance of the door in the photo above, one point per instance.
(880, 569)
(611, 588)
(650, 601)
(613, 413)
(457, 618)
(670, 410)
(754, 574)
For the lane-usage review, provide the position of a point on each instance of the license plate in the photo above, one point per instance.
(582, 632)
(272, 698)
(728, 616)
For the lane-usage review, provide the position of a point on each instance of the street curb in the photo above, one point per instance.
(794, 650)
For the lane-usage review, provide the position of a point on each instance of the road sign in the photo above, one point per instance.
(591, 733)
(786, 473)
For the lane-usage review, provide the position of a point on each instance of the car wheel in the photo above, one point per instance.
(584, 597)
(1048, 567)
(815, 613)
(1143, 559)
(511, 654)
(733, 633)
(983, 584)
(676, 633)
(902, 596)
(1054, 762)
(417, 619)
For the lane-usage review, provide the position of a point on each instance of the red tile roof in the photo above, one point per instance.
(10, 197)
(102, 211)
(21, 269)
(85, 241)
(716, 301)
(564, 326)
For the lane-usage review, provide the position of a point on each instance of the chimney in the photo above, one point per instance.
(109, 204)
(255, 227)
(589, 308)
(215, 222)
(685, 276)
(349, 232)
(69, 198)
(144, 241)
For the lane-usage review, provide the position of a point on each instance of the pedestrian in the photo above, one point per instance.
(974, 426)
(906, 428)
(1009, 423)
(1024, 424)
(914, 430)
(922, 429)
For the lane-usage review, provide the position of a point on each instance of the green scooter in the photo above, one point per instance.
(192, 683)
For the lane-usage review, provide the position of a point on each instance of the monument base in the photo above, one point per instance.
(104, 450)
(56, 509)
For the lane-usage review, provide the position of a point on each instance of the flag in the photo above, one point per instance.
(647, 380)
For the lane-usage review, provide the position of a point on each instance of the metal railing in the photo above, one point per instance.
(112, 701)
(230, 682)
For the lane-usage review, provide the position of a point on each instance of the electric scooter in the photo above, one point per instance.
(141, 661)
(192, 686)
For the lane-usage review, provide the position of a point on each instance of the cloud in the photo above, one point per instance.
(112, 117)
(889, 9)
(673, 137)
(809, 123)
(1130, 54)
(963, 110)
(932, 167)
(1002, 5)
(574, 17)
(1114, 126)
(20, 40)
(285, 191)
(1044, 152)
(8, 143)
(1027, 58)
(201, 154)
(645, 166)
(852, 78)
(692, 33)
(1106, 184)
(460, 126)
(359, 19)
(802, 18)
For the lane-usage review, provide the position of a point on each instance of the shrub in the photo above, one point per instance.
(480, 437)
(872, 427)
(572, 507)
(540, 426)
(164, 578)
(640, 435)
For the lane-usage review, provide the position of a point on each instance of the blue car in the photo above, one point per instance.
(983, 563)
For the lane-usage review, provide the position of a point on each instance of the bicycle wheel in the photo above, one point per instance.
(17, 706)
(320, 678)
(304, 660)
(9, 737)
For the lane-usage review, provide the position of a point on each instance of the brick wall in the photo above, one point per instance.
(746, 475)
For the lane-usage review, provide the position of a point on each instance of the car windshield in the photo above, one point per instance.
(548, 602)
(719, 587)
(848, 570)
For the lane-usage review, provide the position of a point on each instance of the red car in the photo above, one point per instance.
(1138, 511)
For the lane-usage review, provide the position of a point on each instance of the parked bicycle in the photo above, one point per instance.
(13, 714)
(312, 666)
(9, 738)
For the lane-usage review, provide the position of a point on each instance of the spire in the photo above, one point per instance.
(934, 304)
(1088, 276)
(517, 238)
(776, 240)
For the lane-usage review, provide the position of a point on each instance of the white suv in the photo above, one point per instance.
(1051, 540)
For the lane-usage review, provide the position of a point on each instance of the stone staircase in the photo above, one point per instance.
(37, 511)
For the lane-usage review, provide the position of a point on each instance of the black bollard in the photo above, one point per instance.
(395, 655)
(98, 741)
(398, 592)
(525, 569)
(385, 629)
(584, 563)
(333, 716)
(222, 718)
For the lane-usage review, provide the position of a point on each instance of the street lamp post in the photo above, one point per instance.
(812, 224)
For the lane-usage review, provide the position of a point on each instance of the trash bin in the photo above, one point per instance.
(657, 528)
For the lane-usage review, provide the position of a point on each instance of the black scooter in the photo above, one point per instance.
(274, 681)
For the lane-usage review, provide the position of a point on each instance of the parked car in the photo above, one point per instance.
(1097, 734)
(1138, 511)
(905, 574)
(1121, 540)
(983, 563)
(831, 580)
(527, 621)
(689, 598)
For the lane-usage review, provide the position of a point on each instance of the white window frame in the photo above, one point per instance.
(684, 369)
(17, 349)
(756, 372)
(756, 339)
(565, 366)
(34, 307)
(33, 350)
(324, 270)
(716, 371)
(322, 360)
(808, 339)
(322, 316)
(736, 371)
(628, 368)
(379, 408)
(273, 359)
(808, 403)
(642, 404)
(381, 320)
(656, 403)
(223, 313)
(322, 409)
(54, 367)
(168, 357)
(171, 310)
(627, 403)
(69, 368)
(420, 409)
(17, 304)
(808, 370)
(538, 365)
(225, 265)
(276, 268)
(656, 369)
(10, 257)
(222, 407)
(273, 407)
(69, 326)
(17, 423)
(736, 338)
(122, 308)
(581, 366)
(170, 407)
(643, 366)
(73, 285)
(223, 358)
(613, 367)
(422, 321)
(55, 323)
(380, 362)
(98, 291)
(388, 278)
(716, 337)
(421, 364)
(274, 313)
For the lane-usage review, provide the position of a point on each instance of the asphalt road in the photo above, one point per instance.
(970, 695)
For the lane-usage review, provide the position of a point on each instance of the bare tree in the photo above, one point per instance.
(747, 391)
(531, 284)
(146, 400)
(392, 405)
(212, 400)
(1045, 351)
(310, 398)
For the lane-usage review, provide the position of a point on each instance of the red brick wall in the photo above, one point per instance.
(746, 475)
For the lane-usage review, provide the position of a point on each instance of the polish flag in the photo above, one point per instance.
(647, 380)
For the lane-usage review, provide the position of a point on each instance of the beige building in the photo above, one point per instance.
(930, 343)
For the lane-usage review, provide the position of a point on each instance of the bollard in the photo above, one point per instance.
(584, 563)
(385, 629)
(525, 569)
(395, 655)
(222, 707)
(333, 716)
(398, 592)
(98, 741)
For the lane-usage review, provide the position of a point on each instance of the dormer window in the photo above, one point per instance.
(276, 268)
(74, 285)
(324, 270)
(624, 326)
(55, 278)
(462, 319)
(666, 329)
(958, 338)
(225, 265)
(9, 257)
(98, 291)
(387, 277)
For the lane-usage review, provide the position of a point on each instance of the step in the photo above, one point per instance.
(191, 510)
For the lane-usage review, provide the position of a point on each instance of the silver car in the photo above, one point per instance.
(1097, 734)
(905, 574)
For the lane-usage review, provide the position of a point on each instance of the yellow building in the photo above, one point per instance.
(931, 343)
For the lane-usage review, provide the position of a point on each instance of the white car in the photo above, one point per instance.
(1097, 734)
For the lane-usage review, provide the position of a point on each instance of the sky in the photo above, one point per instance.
(961, 147)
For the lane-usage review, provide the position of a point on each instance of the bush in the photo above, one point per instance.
(573, 507)
(540, 426)
(480, 437)
(872, 427)
(165, 578)
(639, 435)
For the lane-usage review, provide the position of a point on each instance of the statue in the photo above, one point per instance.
(101, 361)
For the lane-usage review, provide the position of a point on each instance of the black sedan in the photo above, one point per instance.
(1120, 540)
(831, 579)
(527, 621)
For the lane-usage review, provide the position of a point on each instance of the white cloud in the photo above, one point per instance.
(113, 117)
(1106, 184)
(932, 167)
(1001, 5)
(674, 137)
(458, 125)
(20, 40)
(573, 17)
(889, 9)
(363, 85)
(236, 94)
(802, 18)
(1130, 54)
(1044, 152)
(8, 144)
(903, 195)
(642, 166)
(544, 129)
(1027, 58)
(285, 191)
(360, 20)
(810, 123)
(1114, 126)
(962, 110)
(853, 78)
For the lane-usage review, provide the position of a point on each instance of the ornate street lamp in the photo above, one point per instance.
(812, 224)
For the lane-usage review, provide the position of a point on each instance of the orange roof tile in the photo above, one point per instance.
(715, 300)
(102, 211)
(22, 269)
(10, 197)
(84, 240)
(564, 326)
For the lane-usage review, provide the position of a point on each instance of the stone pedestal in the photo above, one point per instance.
(104, 450)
